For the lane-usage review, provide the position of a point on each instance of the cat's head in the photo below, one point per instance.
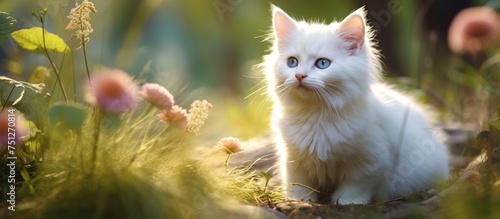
(313, 63)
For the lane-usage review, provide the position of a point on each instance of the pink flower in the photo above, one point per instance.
(473, 30)
(112, 90)
(158, 96)
(230, 145)
(175, 115)
(13, 126)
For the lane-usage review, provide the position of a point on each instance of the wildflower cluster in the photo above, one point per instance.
(79, 17)
(112, 90)
(198, 114)
(192, 121)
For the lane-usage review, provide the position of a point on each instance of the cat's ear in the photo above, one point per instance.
(353, 30)
(283, 25)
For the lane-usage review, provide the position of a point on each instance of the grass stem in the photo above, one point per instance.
(226, 163)
(8, 97)
(56, 72)
(98, 115)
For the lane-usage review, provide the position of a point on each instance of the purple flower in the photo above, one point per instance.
(157, 96)
(112, 90)
(12, 125)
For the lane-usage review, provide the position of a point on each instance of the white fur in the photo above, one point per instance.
(342, 131)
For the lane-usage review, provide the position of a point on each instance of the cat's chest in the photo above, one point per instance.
(319, 135)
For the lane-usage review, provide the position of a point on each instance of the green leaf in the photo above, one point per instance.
(265, 175)
(30, 99)
(32, 40)
(7, 26)
(62, 116)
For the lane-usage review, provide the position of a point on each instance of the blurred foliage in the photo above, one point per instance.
(216, 44)
(12, 93)
(7, 25)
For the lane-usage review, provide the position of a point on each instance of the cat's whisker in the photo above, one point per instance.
(324, 97)
(317, 96)
(253, 77)
(262, 81)
(347, 99)
(262, 102)
(260, 110)
(329, 99)
(283, 89)
(351, 100)
(254, 92)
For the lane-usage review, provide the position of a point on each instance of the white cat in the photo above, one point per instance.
(341, 130)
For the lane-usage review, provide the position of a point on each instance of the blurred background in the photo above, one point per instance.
(209, 48)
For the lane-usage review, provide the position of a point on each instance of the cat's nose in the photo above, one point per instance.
(300, 77)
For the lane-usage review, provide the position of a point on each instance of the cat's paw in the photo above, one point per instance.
(301, 193)
(352, 195)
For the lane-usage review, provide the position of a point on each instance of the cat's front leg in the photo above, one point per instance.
(353, 192)
(300, 191)
(298, 185)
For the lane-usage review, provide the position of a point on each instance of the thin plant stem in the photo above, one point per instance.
(97, 131)
(86, 61)
(142, 147)
(52, 63)
(74, 78)
(184, 139)
(50, 99)
(305, 186)
(144, 116)
(84, 47)
(266, 185)
(8, 97)
(226, 163)
(54, 88)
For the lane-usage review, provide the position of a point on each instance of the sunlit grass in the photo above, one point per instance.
(143, 169)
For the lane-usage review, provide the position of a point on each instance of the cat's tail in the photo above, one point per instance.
(259, 155)
(458, 139)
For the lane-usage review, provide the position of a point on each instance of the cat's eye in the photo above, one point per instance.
(292, 62)
(322, 63)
